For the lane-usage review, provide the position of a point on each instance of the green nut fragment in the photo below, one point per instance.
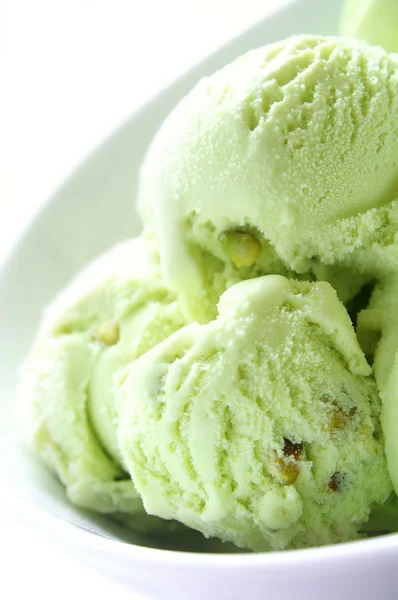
(243, 248)
(108, 333)
(340, 417)
(289, 468)
(292, 448)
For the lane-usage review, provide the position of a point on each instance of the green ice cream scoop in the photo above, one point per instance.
(260, 427)
(378, 334)
(375, 21)
(114, 311)
(253, 166)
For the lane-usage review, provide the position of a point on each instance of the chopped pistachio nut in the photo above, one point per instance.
(338, 416)
(289, 471)
(288, 468)
(365, 430)
(243, 248)
(336, 482)
(292, 449)
(107, 333)
(337, 420)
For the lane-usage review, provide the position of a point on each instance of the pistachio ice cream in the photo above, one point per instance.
(208, 372)
(262, 158)
(114, 311)
(261, 427)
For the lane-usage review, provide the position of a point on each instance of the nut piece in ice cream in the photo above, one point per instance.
(108, 333)
(243, 248)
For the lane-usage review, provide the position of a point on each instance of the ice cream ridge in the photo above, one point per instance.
(235, 368)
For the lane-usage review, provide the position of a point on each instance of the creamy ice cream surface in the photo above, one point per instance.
(260, 427)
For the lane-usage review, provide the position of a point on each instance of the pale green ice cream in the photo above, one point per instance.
(114, 311)
(377, 329)
(375, 21)
(378, 334)
(260, 427)
(277, 147)
(366, 243)
(260, 423)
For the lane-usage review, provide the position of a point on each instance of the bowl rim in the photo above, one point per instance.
(98, 544)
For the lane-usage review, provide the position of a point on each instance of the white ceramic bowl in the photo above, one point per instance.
(92, 211)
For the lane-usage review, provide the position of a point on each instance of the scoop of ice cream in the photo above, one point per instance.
(261, 157)
(378, 334)
(260, 427)
(114, 311)
(375, 21)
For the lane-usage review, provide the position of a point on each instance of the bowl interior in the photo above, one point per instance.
(92, 211)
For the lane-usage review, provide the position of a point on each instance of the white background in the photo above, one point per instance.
(75, 69)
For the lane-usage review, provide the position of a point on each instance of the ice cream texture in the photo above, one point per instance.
(283, 146)
(260, 427)
(375, 21)
(378, 333)
(114, 311)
